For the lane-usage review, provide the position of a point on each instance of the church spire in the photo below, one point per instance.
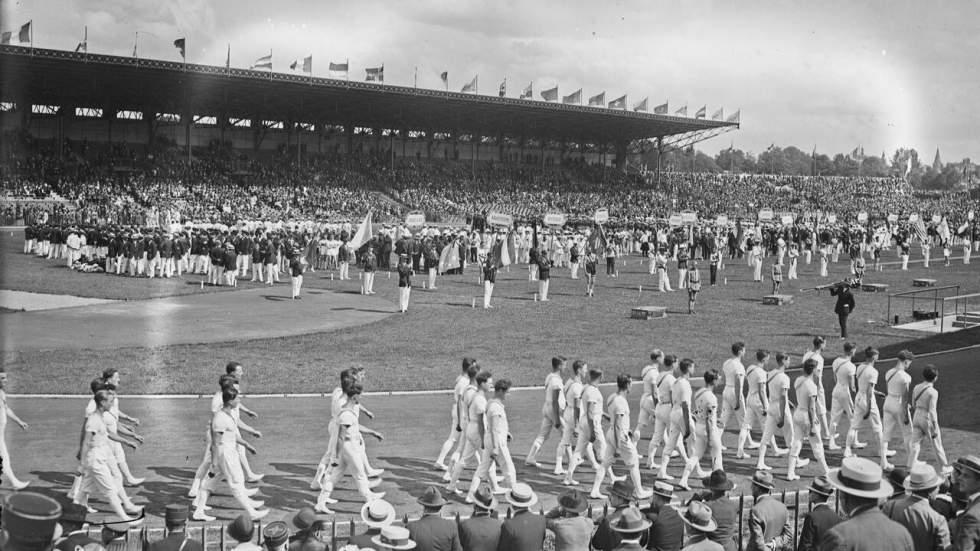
(937, 163)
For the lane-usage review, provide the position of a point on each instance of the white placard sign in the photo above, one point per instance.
(863, 217)
(766, 215)
(831, 218)
(786, 219)
(415, 219)
(675, 220)
(936, 218)
(893, 218)
(500, 219)
(914, 217)
(601, 215)
(554, 219)
(970, 215)
(721, 220)
(689, 217)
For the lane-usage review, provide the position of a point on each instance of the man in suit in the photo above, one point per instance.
(927, 527)
(723, 510)
(524, 531)
(481, 532)
(701, 527)
(571, 529)
(860, 484)
(622, 495)
(667, 528)
(844, 306)
(822, 516)
(966, 533)
(631, 525)
(376, 515)
(432, 532)
(769, 527)
(175, 519)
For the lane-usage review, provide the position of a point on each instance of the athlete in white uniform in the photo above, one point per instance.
(778, 415)
(866, 406)
(476, 404)
(662, 395)
(648, 400)
(573, 408)
(554, 404)
(470, 369)
(895, 412)
(707, 433)
(621, 442)
(495, 448)
(841, 401)
(806, 423)
(589, 427)
(732, 399)
(680, 415)
(925, 420)
(819, 343)
(756, 403)
(5, 413)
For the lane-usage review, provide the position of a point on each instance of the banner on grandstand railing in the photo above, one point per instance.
(786, 218)
(936, 218)
(415, 219)
(721, 220)
(914, 217)
(675, 219)
(893, 218)
(831, 218)
(554, 219)
(766, 215)
(500, 219)
(689, 217)
(863, 217)
(601, 215)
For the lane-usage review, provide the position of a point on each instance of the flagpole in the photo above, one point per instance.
(31, 28)
(416, 85)
(85, 41)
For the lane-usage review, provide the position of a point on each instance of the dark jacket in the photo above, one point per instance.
(434, 533)
(845, 300)
(523, 532)
(481, 533)
(174, 541)
(867, 530)
(725, 513)
(667, 531)
(820, 520)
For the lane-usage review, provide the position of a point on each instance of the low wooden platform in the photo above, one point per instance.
(874, 287)
(924, 282)
(648, 312)
(777, 300)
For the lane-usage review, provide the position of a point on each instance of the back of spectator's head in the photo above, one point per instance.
(29, 522)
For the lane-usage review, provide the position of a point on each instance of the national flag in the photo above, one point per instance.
(718, 115)
(497, 254)
(444, 77)
(306, 64)
(364, 233)
(503, 88)
(25, 32)
(511, 248)
(618, 103)
(550, 94)
(375, 74)
(642, 106)
(264, 62)
(660, 109)
(574, 98)
(702, 113)
(83, 45)
(5, 37)
(734, 117)
(596, 241)
(598, 100)
(471, 85)
(527, 93)
(181, 44)
(920, 229)
(682, 111)
(534, 235)
(449, 259)
(338, 69)
(228, 58)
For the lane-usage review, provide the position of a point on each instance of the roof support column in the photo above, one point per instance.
(620, 147)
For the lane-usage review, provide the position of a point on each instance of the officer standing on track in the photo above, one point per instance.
(844, 306)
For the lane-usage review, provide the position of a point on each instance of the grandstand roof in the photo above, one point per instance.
(57, 77)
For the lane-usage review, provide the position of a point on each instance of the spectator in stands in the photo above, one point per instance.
(631, 526)
(481, 532)
(667, 527)
(822, 516)
(860, 485)
(701, 527)
(276, 536)
(769, 526)
(303, 521)
(566, 522)
(376, 515)
(524, 531)
(242, 529)
(175, 519)
(394, 538)
(432, 532)
(724, 511)
(966, 532)
(74, 530)
(927, 527)
(622, 494)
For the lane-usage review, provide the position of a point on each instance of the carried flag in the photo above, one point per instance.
(642, 106)
(682, 111)
(908, 166)
(338, 69)
(375, 74)
(618, 103)
(596, 241)
(181, 44)
(598, 100)
(702, 113)
(471, 86)
(920, 229)
(527, 93)
(449, 259)
(550, 94)
(306, 64)
(718, 115)
(264, 62)
(574, 98)
(364, 233)
(734, 117)
(503, 88)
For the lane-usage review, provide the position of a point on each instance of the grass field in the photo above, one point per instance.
(421, 349)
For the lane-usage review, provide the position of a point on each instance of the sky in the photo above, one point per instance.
(830, 75)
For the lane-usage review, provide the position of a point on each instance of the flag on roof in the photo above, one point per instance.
(618, 103)
(550, 94)
(734, 117)
(526, 93)
(83, 45)
(264, 62)
(338, 69)
(682, 111)
(642, 106)
(503, 88)
(702, 113)
(306, 64)
(660, 109)
(574, 98)
(719, 114)
(25, 32)
(598, 100)
(471, 85)
(181, 44)
(375, 74)
(228, 58)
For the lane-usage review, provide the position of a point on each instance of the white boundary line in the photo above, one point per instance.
(388, 392)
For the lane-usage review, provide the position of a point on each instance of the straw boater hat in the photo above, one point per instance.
(521, 495)
(377, 513)
(629, 521)
(394, 537)
(969, 463)
(663, 489)
(922, 477)
(697, 515)
(484, 498)
(861, 478)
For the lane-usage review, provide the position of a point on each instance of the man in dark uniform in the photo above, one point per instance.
(723, 509)
(217, 256)
(432, 531)
(489, 278)
(481, 532)
(544, 274)
(822, 516)
(167, 256)
(152, 255)
(175, 518)
(844, 307)
(667, 531)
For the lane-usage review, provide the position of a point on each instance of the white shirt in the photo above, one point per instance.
(224, 431)
(664, 384)
(778, 386)
(705, 407)
(619, 411)
(496, 422)
(843, 372)
(591, 406)
(733, 369)
(680, 393)
(552, 383)
(573, 394)
(650, 374)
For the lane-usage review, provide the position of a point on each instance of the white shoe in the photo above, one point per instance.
(802, 462)
(891, 453)
(743, 455)
(256, 515)
(559, 472)
(255, 478)
(322, 509)
(249, 492)
(754, 445)
(860, 445)
(135, 481)
(599, 496)
(665, 476)
(500, 490)
(833, 446)
(792, 476)
(441, 466)
(470, 499)
(763, 467)
(20, 486)
(644, 493)
(779, 452)
(328, 500)
(374, 495)
(447, 476)
(570, 482)
(532, 464)
(200, 515)
(375, 472)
